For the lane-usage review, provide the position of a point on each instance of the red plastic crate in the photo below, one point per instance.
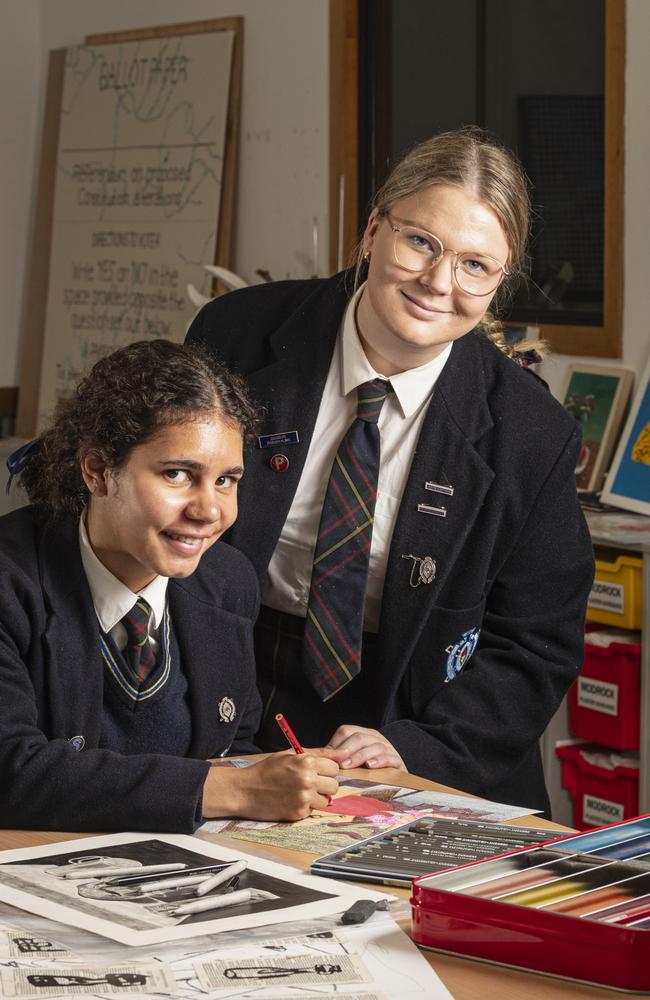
(604, 703)
(604, 786)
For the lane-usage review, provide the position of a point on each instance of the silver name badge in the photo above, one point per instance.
(282, 437)
(427, 508)
(448, 490)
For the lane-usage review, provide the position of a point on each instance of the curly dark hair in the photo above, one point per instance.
(125, 399)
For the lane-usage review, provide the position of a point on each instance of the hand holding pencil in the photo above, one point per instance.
(285, 786)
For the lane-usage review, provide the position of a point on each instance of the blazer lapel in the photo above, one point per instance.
(71, 640)
(196, 649)
(290, 390)
(211, 643)
(445, 454)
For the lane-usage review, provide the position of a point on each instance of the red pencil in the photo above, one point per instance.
(290, 736)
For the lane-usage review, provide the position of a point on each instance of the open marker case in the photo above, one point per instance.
(576, 907)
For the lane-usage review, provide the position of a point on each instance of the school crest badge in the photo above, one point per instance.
(459, 653)
(227, 711)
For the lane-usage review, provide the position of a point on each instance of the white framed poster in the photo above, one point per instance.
(135, 194)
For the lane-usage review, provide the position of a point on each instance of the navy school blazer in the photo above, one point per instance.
(51, 687)
(472, 666)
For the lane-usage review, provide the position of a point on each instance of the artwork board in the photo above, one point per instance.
(628, 482)
(55, 881)
(596, 396)
(135, 195)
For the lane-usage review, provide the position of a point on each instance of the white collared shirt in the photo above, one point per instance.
(400, 421)
(112, 599)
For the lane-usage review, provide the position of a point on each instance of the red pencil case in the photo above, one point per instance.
(577, 907)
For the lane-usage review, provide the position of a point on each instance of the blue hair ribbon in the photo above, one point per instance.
(16, 461)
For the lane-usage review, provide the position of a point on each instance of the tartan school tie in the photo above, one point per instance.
(139, 653)
(337, 595)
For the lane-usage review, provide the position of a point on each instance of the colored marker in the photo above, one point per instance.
(632, 848)
(589, 842)
(636, 909)
(550, 893)
(289, 734)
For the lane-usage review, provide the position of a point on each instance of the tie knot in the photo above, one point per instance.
(136, 621)
(370, 399)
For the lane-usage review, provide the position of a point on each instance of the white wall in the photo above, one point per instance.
(283, 175)
(284, 149)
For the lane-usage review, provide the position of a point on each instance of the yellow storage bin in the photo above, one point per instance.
(615, 597)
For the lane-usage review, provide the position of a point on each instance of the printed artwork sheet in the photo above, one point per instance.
(372, 961)
(95, 883)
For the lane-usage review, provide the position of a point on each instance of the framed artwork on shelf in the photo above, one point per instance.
(596, 396)
(628, 481)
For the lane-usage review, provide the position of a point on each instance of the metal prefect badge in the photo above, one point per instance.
(227, 710)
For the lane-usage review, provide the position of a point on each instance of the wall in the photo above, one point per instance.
(284, 150)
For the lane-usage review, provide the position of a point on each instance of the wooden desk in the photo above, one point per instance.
(465, 979)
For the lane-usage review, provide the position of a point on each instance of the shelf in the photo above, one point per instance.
(631, 533)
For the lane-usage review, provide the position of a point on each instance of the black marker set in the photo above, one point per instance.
(420, 847)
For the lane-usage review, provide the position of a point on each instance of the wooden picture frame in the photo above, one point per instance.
(628, 481)
(173, 127)
(597, 396)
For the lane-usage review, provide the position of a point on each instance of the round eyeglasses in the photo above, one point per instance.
(417, 250)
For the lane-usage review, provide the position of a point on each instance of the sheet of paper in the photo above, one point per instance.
(396, 969)
(291, 970)
(75, 882)
(79, 980)
(15, 943)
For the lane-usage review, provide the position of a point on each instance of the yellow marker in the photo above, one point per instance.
(552, 892)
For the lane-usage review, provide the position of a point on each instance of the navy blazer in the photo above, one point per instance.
(51, 687)
(514, 561)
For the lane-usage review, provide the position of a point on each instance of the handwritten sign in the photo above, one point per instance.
(137, 199)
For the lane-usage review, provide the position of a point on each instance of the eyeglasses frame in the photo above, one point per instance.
(457, 253)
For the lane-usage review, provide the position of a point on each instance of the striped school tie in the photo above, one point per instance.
(139, 653)
(337, 595)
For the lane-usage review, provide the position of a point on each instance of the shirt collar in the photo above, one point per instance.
(111, 598)
(411, 387)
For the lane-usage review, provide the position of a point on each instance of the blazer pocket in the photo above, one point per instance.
(446, 647)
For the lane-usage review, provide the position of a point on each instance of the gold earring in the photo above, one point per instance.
(366, 255)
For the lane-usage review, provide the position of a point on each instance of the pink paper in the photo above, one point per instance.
(357, 805)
